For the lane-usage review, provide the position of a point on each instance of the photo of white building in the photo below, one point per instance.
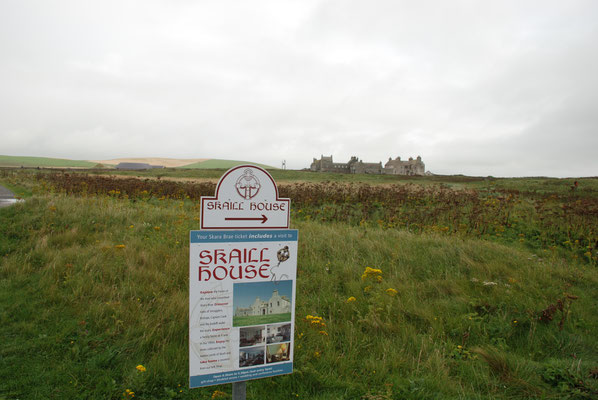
(277, 304)
(262, 303)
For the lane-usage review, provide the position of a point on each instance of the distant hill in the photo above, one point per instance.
(165, 162)
(17, 161)
(187, 163)
(215, 163)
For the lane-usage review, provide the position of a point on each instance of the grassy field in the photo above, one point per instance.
(46, 162)
(15, 161)
(538, 185)
(215, 163)
(261, 319)
(431, 293)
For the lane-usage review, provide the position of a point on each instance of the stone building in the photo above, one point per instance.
(356, 166)
(325, 164)
(410, 167)
(276, 305)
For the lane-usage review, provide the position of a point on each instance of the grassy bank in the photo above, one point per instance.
(93, 286)
(560, 219)
(33, 162)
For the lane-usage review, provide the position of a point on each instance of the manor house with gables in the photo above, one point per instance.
(276, 305)
(356, 166)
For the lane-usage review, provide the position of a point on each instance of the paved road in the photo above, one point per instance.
(6, 197)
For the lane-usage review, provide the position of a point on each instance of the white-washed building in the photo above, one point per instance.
(276, 305)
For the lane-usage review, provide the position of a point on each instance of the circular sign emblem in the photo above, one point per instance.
(247, 185)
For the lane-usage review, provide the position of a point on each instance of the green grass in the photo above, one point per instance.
(33, 162)
(261, 319)
(215, 163)
(16, 161)
(78, 312)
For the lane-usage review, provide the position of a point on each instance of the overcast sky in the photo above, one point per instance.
(503, 88)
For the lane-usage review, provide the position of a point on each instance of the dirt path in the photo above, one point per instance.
(7, 197)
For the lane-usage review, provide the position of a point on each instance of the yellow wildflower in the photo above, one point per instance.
(218, 394)
(391, 292)
(156, 228)
(373, 272)
(120, 246)
(140, 368)
(323, 333)
(351, 299)
(314, 319)
(367, 289)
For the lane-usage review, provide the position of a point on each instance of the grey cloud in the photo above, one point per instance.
(501, 88)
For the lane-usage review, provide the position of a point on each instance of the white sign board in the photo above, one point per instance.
(246, 198)
(242, 273)
(241, 305)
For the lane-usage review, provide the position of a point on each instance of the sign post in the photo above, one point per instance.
(239, 390)
(242, 270)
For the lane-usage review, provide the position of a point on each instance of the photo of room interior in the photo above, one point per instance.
(251, 336)
(277, 353)
(251, 356)
(279, 333)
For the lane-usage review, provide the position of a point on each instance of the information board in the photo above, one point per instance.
(241, 304)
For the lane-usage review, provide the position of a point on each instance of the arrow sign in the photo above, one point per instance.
(246, 197)
(263, 218)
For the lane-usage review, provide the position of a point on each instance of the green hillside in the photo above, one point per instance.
(497, 305)
(407, 291)
(33, 162)
(216, 163)
(17, 161)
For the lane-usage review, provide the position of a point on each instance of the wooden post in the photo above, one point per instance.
(239, 390)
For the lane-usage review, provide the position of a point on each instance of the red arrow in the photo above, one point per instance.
(263, 219)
